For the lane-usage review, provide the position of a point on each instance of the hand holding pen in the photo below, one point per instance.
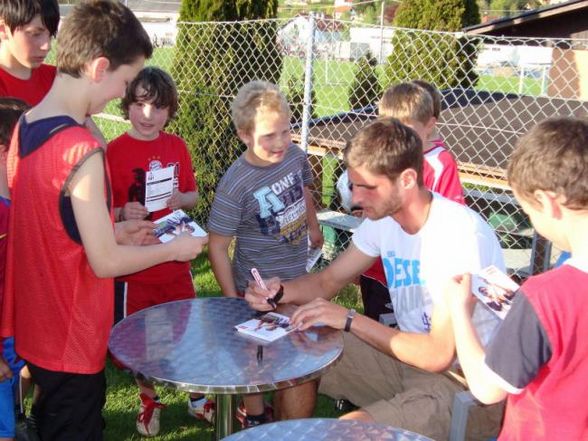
(257, 292)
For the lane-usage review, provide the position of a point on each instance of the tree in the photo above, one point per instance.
(440, 58)
(212, 61)
(512, 7)
(370, 15)
(365, 89)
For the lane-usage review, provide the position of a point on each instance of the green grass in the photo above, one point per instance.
(490, 83)
(122, 400)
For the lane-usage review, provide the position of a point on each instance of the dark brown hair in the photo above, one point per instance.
(386, 147)
(100, 28)
(157, 86)
(10, 111)
(553, 156)
(19, 13)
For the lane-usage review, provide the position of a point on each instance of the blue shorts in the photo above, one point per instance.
(7, 389)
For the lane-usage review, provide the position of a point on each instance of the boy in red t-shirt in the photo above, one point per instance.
(26, 30)
(539, 359)
(150, 102)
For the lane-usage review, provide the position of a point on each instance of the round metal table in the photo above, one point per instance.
(325, 429)
(192, 345)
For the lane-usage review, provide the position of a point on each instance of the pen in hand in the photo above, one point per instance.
(262, 285)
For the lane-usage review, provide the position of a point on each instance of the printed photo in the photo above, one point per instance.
(495, 289)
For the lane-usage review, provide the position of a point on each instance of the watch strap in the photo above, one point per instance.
(350, 315)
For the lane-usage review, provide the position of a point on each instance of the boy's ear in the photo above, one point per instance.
(4, 30)
(97, 68)
(245, 137)
(430, 126)
(550, 202)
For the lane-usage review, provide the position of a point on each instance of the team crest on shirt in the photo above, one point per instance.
(155, 164)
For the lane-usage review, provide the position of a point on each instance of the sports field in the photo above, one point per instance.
(331, 82)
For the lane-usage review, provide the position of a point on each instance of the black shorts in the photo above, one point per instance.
(69, 407)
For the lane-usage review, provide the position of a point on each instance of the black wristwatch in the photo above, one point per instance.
(350, 315)
(273, 301)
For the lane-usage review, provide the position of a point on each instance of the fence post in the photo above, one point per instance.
(306, 111)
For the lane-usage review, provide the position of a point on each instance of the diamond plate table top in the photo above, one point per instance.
(325, 429)
(192, 345)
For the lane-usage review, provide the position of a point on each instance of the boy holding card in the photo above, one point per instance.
(538, 360)
(150, 102)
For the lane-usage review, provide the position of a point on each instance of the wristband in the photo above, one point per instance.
(276, 299)
(350, 315)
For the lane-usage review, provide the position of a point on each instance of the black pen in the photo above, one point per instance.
(259, 354)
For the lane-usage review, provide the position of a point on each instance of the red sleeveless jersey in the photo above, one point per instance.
(59, 312)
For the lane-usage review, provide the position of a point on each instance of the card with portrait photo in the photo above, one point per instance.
(494, 289)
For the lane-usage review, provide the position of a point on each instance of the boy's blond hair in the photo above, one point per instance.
(407, 101)
(434, 92)
(254, 97)
(553, 156)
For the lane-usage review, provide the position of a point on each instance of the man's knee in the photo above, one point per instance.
(296, 402)
(358, 415)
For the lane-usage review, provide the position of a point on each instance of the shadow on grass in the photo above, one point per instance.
(122, 405)
(122, 401)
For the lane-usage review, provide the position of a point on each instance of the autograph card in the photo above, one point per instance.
(495, 290)
(175, 224)
(269, 327)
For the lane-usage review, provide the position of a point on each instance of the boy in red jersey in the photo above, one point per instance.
(150, 102)
(539, 359)
(60, 185)
(443, 175)
(416, 107)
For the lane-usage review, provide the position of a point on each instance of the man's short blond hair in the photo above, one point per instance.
(254, 97)
(407, 101)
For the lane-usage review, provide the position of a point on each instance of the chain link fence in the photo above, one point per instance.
(334, 72)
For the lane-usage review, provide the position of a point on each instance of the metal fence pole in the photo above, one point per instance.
(306, 113)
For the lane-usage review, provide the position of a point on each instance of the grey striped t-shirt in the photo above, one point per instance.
(264, 208)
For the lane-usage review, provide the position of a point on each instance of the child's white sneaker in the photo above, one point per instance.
(202, 409)
(148, 417)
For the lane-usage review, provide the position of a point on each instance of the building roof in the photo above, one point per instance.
(166, 6)
(563, 20)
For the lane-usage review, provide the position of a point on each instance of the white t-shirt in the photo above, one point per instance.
(454, 240)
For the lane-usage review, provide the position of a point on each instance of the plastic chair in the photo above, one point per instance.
(462, 402)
